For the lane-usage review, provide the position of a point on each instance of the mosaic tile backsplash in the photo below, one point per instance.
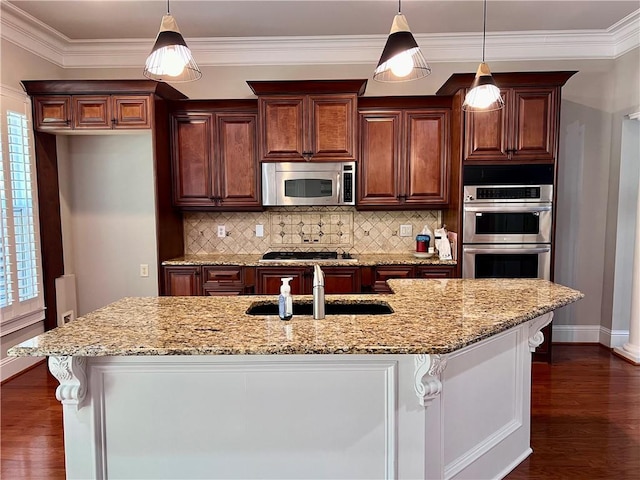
(306, 228)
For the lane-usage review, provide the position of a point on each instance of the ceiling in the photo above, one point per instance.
(124, 19)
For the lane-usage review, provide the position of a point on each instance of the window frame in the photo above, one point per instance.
(20, 314)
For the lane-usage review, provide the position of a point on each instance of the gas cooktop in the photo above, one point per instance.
(305, 256)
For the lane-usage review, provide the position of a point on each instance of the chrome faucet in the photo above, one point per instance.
(318, 292)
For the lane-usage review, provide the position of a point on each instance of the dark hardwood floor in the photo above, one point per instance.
(585, 421)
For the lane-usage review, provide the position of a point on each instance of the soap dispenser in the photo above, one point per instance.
(285, 302)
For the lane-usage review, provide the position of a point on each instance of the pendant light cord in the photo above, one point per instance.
(168, 10)
(484, 27)
(399, 7)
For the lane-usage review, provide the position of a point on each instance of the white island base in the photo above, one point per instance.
(465, 414)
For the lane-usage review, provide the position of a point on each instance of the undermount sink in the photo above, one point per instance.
(331, 308)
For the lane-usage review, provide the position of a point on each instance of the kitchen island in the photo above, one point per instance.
(195, 387)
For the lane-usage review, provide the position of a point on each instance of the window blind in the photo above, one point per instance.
(20, 269)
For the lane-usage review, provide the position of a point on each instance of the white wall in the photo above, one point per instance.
(108, 216)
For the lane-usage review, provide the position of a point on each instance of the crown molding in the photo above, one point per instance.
(40, 39)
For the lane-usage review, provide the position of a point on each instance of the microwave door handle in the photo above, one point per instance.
(508, 250)
(339, 187)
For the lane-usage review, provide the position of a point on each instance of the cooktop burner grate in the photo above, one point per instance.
(300, 256)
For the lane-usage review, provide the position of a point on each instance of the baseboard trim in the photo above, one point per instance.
(576, 333)
(613, 338)
(13, 366)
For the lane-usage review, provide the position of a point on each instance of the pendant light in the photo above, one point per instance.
(170, 59)
(484, 95)
(401, 59)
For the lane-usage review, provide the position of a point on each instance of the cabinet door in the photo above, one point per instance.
(236, 167)
(534, 112)
(385, 272)
(486, 134)
(426, 174)
(92, 112)
(192, 162)
(268, 280)
(182, 280)
(341, 280)
(435, 272)
(379, 168)
(282, 128)
(52, 113)
(131, 111)
(332, 127)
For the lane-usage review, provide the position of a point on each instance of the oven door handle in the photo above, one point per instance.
(508, 209)
(507, 250)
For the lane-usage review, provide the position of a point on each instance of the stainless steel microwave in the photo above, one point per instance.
(309, 183)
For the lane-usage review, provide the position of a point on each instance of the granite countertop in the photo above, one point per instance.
(430, 316)
(360, 260)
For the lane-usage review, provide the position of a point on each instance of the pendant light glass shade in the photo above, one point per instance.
(484, 94)
(170, 59)
(401, 59)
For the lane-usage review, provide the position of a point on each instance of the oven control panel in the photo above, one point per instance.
(508, 193)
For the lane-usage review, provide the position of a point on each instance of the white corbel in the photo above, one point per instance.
(428, 369)
(71, 373)
(536, 337)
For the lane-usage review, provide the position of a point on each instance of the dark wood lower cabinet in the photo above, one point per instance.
(182, 280)
(268, 280)
(237, 280)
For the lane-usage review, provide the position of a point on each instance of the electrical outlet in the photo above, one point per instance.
(144, 270)
(222, 231)
(406, 230)
(259, 230)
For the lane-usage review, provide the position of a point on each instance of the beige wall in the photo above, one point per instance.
(589, 144)
(18, 64)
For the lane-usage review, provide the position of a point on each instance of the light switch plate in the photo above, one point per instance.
(259, 230)
(406, 230)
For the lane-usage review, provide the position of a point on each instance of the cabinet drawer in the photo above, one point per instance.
(218, 292)
(386, 272)
(435, 272)
(221, 276)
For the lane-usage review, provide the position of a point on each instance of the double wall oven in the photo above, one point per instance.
(507, 224)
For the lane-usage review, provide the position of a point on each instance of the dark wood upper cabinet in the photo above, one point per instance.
(52, 112)
(404, 157)
(426, 174)
(526, 130)
(307, 120)
(214, 159)
(130, 111)
(236, 165)
(379, 168)
(192, 141)
(534, 112)
(92, 112)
